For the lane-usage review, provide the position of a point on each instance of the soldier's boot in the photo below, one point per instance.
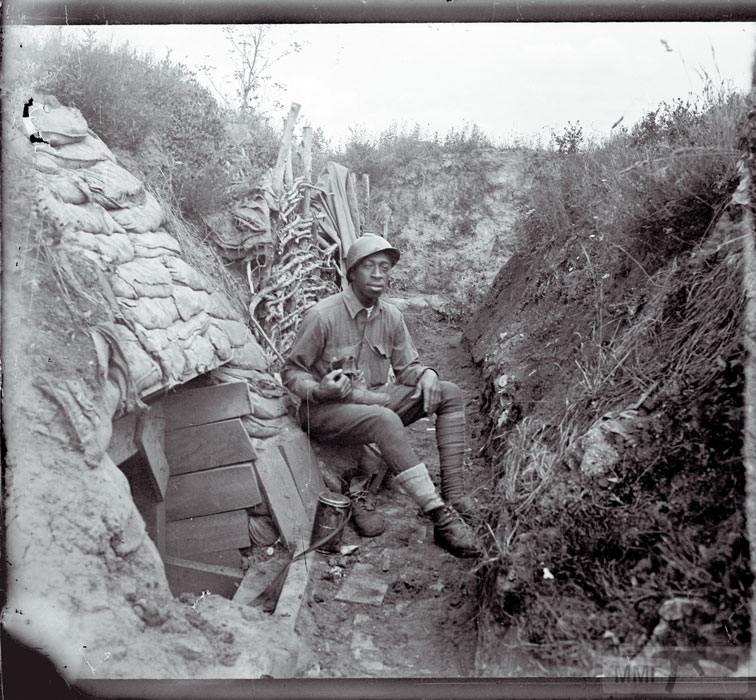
(450, 531)
(450, 437)
(366, 520)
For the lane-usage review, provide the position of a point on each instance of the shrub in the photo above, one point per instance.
(570, 139)
(134, 102)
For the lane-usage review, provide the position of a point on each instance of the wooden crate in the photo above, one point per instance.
(188, 408)
(212, 491)
(207, 446)
(207, 533)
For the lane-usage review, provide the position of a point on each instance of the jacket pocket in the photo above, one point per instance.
(340, 353)
(380, 362)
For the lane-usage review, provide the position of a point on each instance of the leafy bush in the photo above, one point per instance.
(401, 153)
(138, 104)
(570, 139)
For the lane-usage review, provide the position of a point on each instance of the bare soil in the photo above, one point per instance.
(425, 625)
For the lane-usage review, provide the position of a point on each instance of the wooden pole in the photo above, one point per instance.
(354, 207)
(306, 167)
(289, 171)
(285, 148)
(366, 193)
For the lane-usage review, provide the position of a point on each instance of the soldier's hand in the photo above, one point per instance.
(430, 388)
(335, 385)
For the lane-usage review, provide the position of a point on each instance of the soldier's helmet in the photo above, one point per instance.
(369, 244)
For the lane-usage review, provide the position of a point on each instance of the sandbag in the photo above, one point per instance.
(143, 370)
(183, 331)
(189, 302)
(220, 342)
(153, 340)
(82, 153)
(242, 230)
(220, 307)
(155, 244)
(146, 271)
(142, 278)
(249, 356)
(89, 217)
(138, 290)
(140, 218)
(57, 124)
(267, 408)
(174, 362)
(200, 354)
(45, 163)
(68, 188)
(261, 429)
(261, 381)
(115, 249)
(112, 186)
(183, 273)
(237, 332)
(151, 313)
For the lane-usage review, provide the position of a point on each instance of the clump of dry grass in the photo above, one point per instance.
(202, 255)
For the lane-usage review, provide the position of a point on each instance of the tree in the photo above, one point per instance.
(254, 52)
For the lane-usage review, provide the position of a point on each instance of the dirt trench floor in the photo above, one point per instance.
(424, 625)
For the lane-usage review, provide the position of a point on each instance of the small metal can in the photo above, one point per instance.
(331, 513)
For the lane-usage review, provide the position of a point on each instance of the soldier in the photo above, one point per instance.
(339, 366)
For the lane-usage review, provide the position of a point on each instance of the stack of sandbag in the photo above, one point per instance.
(268, 397)
(170, 323)
(244, 230)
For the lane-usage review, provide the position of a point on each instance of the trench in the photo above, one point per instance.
(424, 625)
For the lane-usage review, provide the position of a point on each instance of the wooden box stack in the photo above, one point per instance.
(211, 484)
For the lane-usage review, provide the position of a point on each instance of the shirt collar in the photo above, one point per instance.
(353, 304)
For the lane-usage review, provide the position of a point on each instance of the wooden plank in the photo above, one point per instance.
(123, 442)
(145, 499)
(186, 576)
(212, 491)
(294, 588)
(306, 168)
(208, 533)
(206, 405)
(304, 468)
(207, 446)
(289, 170)
(282, 495)
(223, 557)
(280, 165)
(366, 195)
(151, 439)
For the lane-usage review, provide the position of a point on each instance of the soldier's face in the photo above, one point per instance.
(371, 276)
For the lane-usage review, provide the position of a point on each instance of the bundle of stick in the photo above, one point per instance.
(303, 269)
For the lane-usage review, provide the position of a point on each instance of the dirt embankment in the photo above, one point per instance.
(619, 504)
(451, 216)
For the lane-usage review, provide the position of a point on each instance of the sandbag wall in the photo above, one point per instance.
(167, 323)
(170, 324)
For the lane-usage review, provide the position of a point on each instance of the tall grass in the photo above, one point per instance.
(635, 262)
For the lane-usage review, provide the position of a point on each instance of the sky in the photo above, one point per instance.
(517, 82)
